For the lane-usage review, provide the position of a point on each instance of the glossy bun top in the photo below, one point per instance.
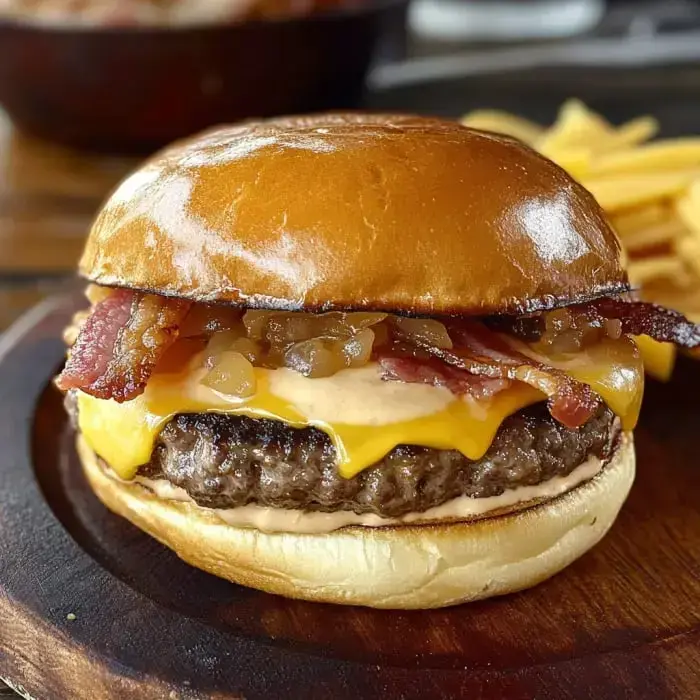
(356, 211)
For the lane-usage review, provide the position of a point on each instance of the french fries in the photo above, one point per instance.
(649, 189)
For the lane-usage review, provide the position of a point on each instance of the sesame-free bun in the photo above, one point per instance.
(383, 212)
(403, 566)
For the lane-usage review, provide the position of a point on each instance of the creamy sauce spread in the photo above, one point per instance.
(312, 522)
(352, 396)
(357, 396)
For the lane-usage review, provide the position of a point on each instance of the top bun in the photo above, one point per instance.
(356, 211)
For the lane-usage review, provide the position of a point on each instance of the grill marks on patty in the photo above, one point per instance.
(229, 461)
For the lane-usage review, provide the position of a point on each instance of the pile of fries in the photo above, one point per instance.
(650, 190)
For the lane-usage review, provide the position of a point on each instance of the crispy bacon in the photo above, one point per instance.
(431, 370)
(483, 352)
(120, 344)
(643, 318)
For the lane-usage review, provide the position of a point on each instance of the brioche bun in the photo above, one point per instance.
(381, 212)
(365, 212)
(408, 566)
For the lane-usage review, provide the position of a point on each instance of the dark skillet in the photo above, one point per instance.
(135, 89)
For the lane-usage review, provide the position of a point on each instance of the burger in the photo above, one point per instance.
(366, 359)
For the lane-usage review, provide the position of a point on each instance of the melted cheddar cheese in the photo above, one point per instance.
(364, 417)
(659, 358)
(614, 369)
(124, 434)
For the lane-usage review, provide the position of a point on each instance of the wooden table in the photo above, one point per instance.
(48, 197)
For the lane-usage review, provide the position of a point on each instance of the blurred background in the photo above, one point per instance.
(90, 87)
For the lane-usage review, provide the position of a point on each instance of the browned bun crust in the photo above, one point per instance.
(398, 213)
(407, 566)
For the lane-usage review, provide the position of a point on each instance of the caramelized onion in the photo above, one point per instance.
(255, 322)
(279, 327)
(557, 321)
(571, 330)
(204, 319)
(358, 348)
(283, 331)
(613, 327)
(315, 358)
(233, 341)
(322, 357)
(218, 343)
(422, 331)
(231, 374)
(248, 348)
(344, 324)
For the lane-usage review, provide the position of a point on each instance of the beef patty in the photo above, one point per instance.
(228, 461)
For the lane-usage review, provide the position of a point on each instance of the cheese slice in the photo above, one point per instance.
(659, 358)
(124, 434)
(614, 369)
(364, 417)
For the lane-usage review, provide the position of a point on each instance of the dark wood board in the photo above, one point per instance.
(623, 622)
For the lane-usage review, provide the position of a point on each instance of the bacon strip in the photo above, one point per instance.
(430, 370)
(480, 351)
(643, 318)
(120, 344)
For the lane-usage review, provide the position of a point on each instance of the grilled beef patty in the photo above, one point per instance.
(228, 461)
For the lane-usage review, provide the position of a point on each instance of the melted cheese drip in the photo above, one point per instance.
(124, 434)
(659, 358)
(614, 369)
(364, 417)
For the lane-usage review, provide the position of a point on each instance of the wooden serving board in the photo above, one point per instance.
(90, 608)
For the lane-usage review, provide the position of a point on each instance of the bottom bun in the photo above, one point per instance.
(406, 566)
